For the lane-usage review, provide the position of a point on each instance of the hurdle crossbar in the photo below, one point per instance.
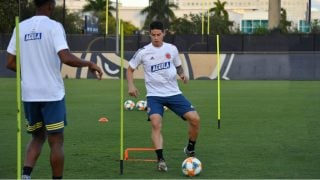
(126, 154)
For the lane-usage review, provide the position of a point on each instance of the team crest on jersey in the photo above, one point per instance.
(158, 67)
(32, 36)
(168, 56)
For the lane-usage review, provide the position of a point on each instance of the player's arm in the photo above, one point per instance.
(181, 74)
(69, 59)
(11, 62)
(132, 90)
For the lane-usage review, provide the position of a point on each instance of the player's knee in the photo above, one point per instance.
(39, 136)
(55, 139)
(156, 126)
(194, 119)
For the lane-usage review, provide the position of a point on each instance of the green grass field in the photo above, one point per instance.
(269, 129)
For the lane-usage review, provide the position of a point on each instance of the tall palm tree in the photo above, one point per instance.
(159, 10)
(219, 10)
(98, 6)
(220, 21)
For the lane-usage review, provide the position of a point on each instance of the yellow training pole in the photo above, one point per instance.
(18, 99)
(202, 18)
(121, 100)
(119, 19)
(218, 77)
(107, 16)
(208, 27)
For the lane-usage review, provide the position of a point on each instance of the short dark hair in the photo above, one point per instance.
(40, 3)
(156, 25)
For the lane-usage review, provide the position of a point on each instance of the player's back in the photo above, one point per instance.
(40, 41)
(37, 39)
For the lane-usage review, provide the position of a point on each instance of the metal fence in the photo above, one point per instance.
(275, 42)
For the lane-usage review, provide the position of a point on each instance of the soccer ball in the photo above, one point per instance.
(141, 105)
(191, 166)
(129, 105)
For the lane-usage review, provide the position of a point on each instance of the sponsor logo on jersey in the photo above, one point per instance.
(32, 36)
(158, 67)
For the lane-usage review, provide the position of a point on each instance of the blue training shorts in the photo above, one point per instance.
(49, 115)
(177, 103)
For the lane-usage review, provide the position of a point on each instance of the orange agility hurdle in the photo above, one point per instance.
(126, 154)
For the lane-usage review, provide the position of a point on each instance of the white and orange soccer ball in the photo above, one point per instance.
(191, 166)
(141, 105)
(129, 105)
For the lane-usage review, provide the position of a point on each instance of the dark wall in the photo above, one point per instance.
(196, 43)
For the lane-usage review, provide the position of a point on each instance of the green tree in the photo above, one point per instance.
(73, 21)
(160, 10)
(196, 19)
(8, 10)
(315, 26)
(261, 30)
(27, 9)
(97, 6)
(183, 26)
(219, 10)
(284, 23)
(129, 29)
(220, 20)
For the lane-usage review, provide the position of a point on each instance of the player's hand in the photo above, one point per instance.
(184, 78)
(96, 70)
(133, 91)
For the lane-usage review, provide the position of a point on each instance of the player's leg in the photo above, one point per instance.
(183, 108)
(194, 126)
(55, 141)
(155, 112)
(34, 147)
(33, 151)
(55, 119)
(35, 126)
(156, 136)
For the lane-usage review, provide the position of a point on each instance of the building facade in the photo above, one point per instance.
(246, 14)
(72, 5)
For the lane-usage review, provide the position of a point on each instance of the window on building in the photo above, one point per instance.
(304, 26)
(249, 26)
(256, 23)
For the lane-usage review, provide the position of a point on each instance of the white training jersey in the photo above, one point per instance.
(40, 41)
(159, 65)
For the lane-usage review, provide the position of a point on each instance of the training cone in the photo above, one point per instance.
(103, 120)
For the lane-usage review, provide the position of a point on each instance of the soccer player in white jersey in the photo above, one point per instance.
(43, 48)
(161, 64)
